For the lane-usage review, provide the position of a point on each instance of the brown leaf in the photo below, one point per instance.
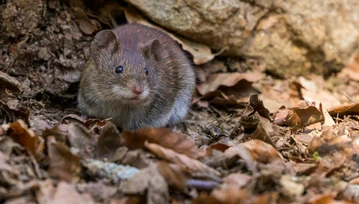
(150, 180)
(4, 166)
(262, 152)
(223, 195)
(72, 118)
(65, 193)
(238, 151)
(11, 114)
(351, 109)
(86, 25)
(237, 180)
(108, 141)
(263, 130)
(323, 199)
(191, 164)
(162, 136)
(81, 140)
(225, 80)
(100, 191)
(127, 200)
(215, 146)
(45, 192)
(299, 117)
(138, 158)
(173, 173)
(63, 164)
(57, 132)
(9, 83)
(19, 132)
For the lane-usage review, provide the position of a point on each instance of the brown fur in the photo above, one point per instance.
(170, 81)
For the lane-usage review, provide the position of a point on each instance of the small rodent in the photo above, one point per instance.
(138, 76)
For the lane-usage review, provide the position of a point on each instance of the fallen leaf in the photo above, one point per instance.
(59, 134)
(181, 159)
(100, 191)
(147, 180)
(81, 141)
(222, 80)
(4, 166)
(63, 164)
(9, 83)
(138, 158)
(65, 193)
(299, 116)
(20, 133)
(238, 151)
(223, 195)
(86, 25)
(175, 175)
(45, 192)
(237, 180)
(128, 200)
(162, 136)
(351, 109)
(215, 146)
(70, 118)
(108, 142)
(262, 152)
(11, 114)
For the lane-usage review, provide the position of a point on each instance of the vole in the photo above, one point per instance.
(138, 76)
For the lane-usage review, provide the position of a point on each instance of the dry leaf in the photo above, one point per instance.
(191, 164)
(65, 193)
(45, 192)
(86, 25)
(4, 166)
(9, 83)
(108, 142)
(223, 195)
(19, 132)
(351, 109)
(147, 180)
(81, 140)
(162, 136)
(299, 116)
(216, 81)
(63, 164)
(262, 152)
(11, 114)
(237, 180)
(173, 173)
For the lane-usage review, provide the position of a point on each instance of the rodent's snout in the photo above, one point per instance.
(137, 89)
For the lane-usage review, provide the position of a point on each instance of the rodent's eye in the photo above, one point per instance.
(119, 69)
(146, 71)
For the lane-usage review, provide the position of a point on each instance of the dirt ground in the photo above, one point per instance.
(249, 137)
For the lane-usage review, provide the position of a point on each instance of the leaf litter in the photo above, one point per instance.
(249, 137)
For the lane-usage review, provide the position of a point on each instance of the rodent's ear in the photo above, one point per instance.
(104, 46)
(152, 49)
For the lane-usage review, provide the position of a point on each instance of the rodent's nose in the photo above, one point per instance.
(137, 90)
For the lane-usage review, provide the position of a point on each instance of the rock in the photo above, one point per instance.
(294, 37)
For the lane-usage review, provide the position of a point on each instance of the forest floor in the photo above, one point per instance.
(249, 137)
